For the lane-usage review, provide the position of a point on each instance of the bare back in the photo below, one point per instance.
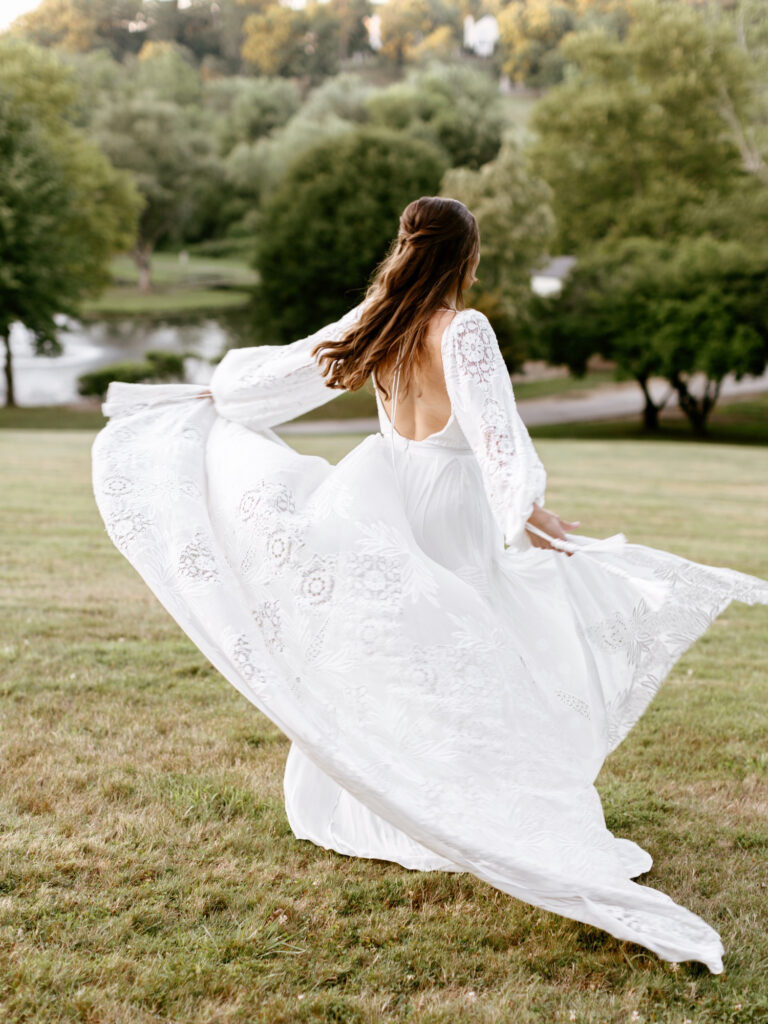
(425, 408)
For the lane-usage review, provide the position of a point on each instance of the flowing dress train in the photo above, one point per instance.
(450, 691)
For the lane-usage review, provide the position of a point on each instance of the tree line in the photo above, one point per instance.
(317, 39)
(647, 161)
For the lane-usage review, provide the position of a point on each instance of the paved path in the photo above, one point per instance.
(601, 403)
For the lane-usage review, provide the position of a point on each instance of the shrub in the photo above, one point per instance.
(157, 366)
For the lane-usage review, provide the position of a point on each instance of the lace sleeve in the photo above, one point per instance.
(484, 406)
(264, 386)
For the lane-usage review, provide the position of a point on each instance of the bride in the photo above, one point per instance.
(451, 662)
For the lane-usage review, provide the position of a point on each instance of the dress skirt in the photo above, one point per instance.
(450, 701)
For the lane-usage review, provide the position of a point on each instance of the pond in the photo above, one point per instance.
(89, 344)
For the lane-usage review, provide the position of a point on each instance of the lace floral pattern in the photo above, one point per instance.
(653, 640)
(572, 701)
(483, 403)
(317, 582)
(268, 618)
(266, 501)
(197, 561)
(125, 525)
(376, 579)
(475, 349)
(633, 635)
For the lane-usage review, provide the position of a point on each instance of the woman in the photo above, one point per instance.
(451, 679)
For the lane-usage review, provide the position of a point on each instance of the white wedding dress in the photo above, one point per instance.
(450, 691)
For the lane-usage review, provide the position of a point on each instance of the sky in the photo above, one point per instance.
(10, 9)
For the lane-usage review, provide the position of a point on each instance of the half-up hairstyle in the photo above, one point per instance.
(436, 246)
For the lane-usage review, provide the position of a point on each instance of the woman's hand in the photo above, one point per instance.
(551, 524)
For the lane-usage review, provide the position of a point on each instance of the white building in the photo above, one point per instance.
(482, 35)
(549, 279)
(373, 25)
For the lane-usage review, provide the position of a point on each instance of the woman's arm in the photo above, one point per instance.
(484, 405)
(548, 530)
(264, 386)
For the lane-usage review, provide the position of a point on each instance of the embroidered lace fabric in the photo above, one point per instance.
(450, 691)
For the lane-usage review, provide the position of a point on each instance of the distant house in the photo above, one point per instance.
(482, 35)
(549, 279)
(373, 27)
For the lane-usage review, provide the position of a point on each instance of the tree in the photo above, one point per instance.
(457, 108)
(173, 163)
(64, 209)
(674, 310)
(308, 42)
(254, 170)
(530, 32)
(404, 25)
(330, 222)
(632, 142)
(156, 366)
(516, 226)
(78, 26)
(271, 39)
(745, 112)
(352, 33)
(242, 109)
(167, 71)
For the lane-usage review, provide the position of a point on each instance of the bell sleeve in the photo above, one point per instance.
(261, 387)
(484, 406)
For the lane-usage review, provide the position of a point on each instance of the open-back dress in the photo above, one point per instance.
(450, 690)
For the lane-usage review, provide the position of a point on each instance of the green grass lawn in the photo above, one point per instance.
(147, 870)
(203, 283)
(168, 269)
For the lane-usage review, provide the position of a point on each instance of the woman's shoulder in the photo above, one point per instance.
(468, 321)
(472, 314)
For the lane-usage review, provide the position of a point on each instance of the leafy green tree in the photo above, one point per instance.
(254, 170)
(174, 165)
(351, 16)
(64, 209)
(343, 96)
(632, 142)
(404, 25)
(414, 31)
(100, 80)
(308, 42)
(242, 109)
(530, 32)
(456, 108)
(167, 71)
(156, 366)
(516, 227)
(271, 40)
(331, 220)
(745, 112)
(674, 310)
(78, 26)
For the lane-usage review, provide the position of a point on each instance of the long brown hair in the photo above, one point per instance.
(436, 245)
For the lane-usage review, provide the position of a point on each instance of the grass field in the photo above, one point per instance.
(202, 283)
(147, 870)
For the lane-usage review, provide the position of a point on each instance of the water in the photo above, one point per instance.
(44, 380)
